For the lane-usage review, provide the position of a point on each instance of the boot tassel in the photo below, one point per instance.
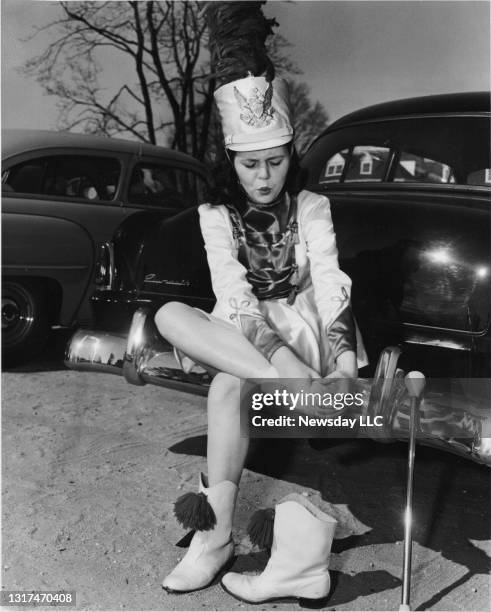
(260, 528)
(193, 511)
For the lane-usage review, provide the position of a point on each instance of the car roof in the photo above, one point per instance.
(16, 141)
(457, 103)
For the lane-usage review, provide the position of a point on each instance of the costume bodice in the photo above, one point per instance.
(266, 238)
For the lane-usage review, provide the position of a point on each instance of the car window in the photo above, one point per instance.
(367, 164)
(25, 178)
(416, 169)
(164, 186)
(479, 177)
(334, 168)
(363, 163)
(76, 176)
(445, 150)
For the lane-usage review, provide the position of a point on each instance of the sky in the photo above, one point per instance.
(352, 53)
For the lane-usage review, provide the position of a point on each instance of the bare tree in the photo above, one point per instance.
(308, 119)
(162, 41)
(163, 45)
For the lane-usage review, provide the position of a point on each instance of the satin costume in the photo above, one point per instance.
(312, 317)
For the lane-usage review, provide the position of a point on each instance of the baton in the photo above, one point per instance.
(415, 382)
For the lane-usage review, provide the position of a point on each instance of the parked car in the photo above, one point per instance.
(63, 195)
(409, 184)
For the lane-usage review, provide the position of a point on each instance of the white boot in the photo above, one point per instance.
(298, 566)
(212, 547)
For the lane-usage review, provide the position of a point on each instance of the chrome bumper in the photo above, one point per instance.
(141, 357)
(461, 426)
(455, 419)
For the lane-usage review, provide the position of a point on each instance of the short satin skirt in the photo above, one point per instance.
(300, 327)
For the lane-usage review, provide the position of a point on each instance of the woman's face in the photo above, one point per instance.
(262, 174)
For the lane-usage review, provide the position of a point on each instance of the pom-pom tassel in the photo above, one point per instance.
(193, 511)
(260, 528)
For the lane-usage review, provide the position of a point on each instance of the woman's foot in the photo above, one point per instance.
(210, 513)
(298, 566)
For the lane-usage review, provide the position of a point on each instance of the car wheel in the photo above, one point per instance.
(25, 321)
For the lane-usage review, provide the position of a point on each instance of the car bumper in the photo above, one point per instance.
(141, 357)
(457, 423)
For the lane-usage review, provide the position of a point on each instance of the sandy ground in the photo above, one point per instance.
(92, 466)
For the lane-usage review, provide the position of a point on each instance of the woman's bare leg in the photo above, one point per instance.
(209, 343)
(212, 548)
(235, 358)
(227, 448)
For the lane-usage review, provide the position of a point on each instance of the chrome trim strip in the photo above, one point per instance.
(43, 267)
(106, 266)
(110, 248)
(460, 332)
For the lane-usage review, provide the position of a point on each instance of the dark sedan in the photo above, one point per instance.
(63, 194)
(409, 183)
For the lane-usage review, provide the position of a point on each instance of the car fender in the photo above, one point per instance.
(49, 247)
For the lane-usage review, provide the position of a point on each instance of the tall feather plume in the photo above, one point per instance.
(237, 34)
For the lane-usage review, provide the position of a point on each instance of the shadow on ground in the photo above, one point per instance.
(451, 496)
(51, 359)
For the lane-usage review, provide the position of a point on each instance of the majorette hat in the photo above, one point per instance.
(255, 113)
(253, 104)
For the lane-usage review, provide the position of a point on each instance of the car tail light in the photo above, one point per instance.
(104, 268)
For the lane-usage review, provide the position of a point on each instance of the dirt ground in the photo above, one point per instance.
(91, 468)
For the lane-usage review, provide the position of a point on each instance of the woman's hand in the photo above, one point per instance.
(288, 365)
(346, 366)
(295, 376)
(346, 369)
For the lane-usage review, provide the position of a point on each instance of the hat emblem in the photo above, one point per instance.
(257, 110)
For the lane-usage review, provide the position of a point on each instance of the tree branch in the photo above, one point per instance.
(147, 102)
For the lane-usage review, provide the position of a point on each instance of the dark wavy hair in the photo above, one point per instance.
(226, 189)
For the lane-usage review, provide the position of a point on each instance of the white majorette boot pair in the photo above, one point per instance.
(210, 514)
(298, 566)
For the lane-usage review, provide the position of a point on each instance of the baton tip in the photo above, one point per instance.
(415, 383)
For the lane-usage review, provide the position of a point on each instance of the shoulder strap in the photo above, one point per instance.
(238, 229)
(238, 233)
(292, 225)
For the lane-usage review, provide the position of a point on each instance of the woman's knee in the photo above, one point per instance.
(168, 316)
(224, 393)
